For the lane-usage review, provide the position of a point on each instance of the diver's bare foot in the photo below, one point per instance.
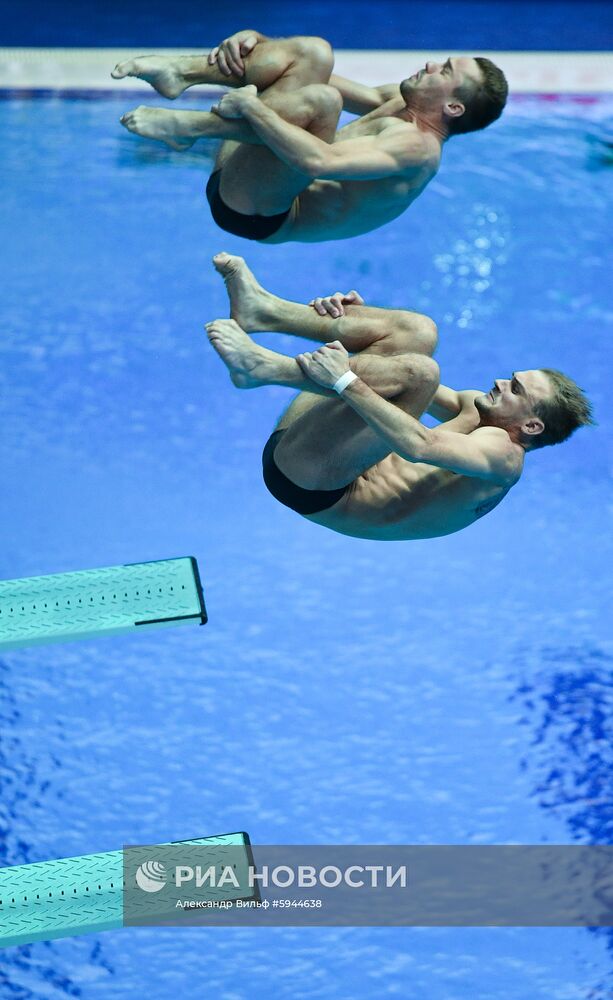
(250, 304)
(249, 364)
(156, 123)
(162, 72)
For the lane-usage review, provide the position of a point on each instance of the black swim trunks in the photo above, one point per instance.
(251, 227)
(301, 500)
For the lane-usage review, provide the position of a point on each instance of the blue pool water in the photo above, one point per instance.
(450, 691)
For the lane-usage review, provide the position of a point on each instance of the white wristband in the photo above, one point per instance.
(341, 383)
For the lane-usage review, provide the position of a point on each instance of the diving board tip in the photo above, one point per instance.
(62, 607)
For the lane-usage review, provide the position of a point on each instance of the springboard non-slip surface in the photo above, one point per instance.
(96, 602)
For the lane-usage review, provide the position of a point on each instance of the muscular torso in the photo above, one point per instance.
(332, 210)
(396, 499)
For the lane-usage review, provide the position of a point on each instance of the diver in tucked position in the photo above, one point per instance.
(284, 172)
(350, 452)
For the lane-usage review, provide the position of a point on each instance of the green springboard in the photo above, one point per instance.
(83, 895)
(97, 602)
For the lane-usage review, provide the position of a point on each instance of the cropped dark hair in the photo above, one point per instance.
(483, 101)
(565, 409)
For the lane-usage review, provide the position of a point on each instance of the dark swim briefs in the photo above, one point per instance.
(286, 492)
(251, 227)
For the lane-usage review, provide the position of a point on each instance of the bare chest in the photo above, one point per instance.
(370, 125)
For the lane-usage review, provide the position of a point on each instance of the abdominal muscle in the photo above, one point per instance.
(398, 500)
(335, 210)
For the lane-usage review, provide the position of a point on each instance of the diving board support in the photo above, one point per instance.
(83, 895)
(98, 602)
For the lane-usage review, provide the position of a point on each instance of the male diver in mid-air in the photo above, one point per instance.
(285, 173)
(350, 452)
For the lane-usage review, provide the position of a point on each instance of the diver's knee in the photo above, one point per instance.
(429, 373)
(317, 52)
(323, 100)
(419, 331)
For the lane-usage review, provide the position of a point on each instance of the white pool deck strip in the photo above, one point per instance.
(31, 69)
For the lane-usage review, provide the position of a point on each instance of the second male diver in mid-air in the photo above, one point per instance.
(350, 452)
(285, 172)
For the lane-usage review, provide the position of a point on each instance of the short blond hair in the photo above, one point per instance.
(564, 410)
